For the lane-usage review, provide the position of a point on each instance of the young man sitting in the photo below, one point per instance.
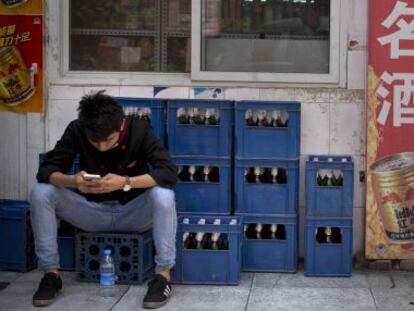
(128, 196)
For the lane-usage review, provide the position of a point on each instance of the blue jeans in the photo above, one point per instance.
(154, 208)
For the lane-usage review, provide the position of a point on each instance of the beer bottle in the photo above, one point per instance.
(191, 242)
(146, 114)
(182, 116)
(336, 235)
(284, 119)
(206, 172)
(214, 175)
(281, 232)
(139, 113)
(248, 116)
(182, 173)
(257, 173)
(334, 180)
(249, 175)
(250, 231)
(320, 235)
(328, 234)
(198, 117)
(259, 229)
(274, 172)
(266, 176)
(329, 181)
(223, 242)
(199, 174)
(281, 177)
(319, 180)
(325, 180)
(273, 230)
(340, 180)
(191, 171)
(215, 235)
(191, 115)
(261, 118)
(214, 117)
(266, 233)
(206, 242)
(200, 234)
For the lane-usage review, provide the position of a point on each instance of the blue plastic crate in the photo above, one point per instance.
(197, 139)
(325, 257)
(329, 200)
(254, 141)
(133, 108)
(209, 266)
(200, 196)
(66, 247)
(132, 254)
(73, 170)
(266, 252)
(271, 195)
(17, 252)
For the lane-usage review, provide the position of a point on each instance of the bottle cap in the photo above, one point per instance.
(107, 252)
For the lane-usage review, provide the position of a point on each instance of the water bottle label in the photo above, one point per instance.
(107, 279)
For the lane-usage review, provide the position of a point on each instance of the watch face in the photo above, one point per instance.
(127, 188)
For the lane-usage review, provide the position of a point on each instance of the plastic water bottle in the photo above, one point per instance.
(107, 272)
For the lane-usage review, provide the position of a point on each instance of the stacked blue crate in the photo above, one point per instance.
(150, 109)
(17, 251)
(200, 136)
(267, 149)
(218, 263)
(328, 224)
(200, 143)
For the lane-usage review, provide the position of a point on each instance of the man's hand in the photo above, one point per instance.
(88, 186)
(112, 182)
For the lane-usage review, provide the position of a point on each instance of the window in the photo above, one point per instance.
(130, 35)
(266, 40)
(289, 41)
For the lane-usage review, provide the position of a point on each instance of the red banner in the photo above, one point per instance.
(390, 131)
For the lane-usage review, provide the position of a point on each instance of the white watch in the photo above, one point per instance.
(127, 185)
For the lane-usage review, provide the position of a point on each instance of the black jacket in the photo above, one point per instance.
(137, 150)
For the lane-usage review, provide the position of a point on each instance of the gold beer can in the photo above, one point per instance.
(393, 187)
(16, 83)
(13, 3)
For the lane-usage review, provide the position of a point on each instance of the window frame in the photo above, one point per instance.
(334, 56)
(60, 73)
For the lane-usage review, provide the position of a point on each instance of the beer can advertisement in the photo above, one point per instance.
(21, 63)
(390, 131)
(21, 6)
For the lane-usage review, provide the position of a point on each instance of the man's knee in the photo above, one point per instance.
(162, 198)
(41, 192)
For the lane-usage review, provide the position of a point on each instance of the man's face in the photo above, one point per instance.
(110, 142)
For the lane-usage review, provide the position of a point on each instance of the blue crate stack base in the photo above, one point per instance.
(17, 252)
(208, 250)
(266, 183)
(274, 249)
(328, 224)
(132, 253)
(150, 109)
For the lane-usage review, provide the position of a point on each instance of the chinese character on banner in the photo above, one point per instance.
(390, 128)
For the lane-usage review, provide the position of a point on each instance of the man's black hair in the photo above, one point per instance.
(99, 115)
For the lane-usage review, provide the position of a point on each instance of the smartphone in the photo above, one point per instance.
(90, 177)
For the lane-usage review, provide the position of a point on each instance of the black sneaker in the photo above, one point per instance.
(158, 294)
(48, 289)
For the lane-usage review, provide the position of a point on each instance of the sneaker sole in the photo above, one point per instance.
(155, 305)
(45, 303)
